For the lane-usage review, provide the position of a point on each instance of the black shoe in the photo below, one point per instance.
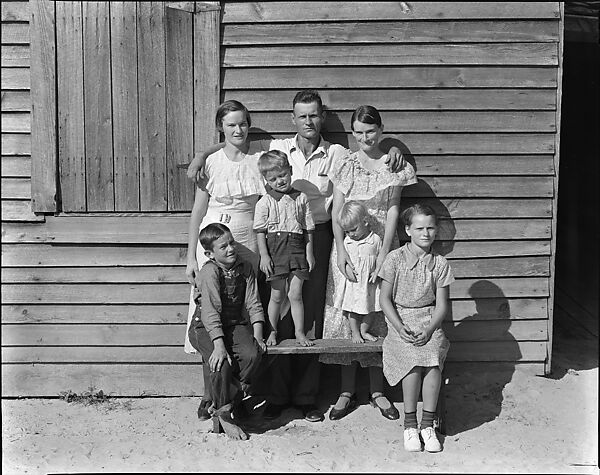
(311, 413)
(240, 412)
(390, 413)
(203, 413)
(336, 414)
(273, 411)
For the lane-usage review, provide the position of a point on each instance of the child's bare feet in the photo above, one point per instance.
(303, 339)
(231, 429)
(272, 340)
(357, 338)
(367, 336)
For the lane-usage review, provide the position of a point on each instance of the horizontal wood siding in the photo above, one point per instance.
(469, 89)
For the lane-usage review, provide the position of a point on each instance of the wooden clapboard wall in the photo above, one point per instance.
(471, 90)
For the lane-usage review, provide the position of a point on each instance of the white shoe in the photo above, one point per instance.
(432, 444)
(412, 443)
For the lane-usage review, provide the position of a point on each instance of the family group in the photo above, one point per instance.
(305, 227)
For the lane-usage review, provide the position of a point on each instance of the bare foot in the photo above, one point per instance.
(356, 338)
(272, 340)
(303, 340)
(367, 336)
(231, 429)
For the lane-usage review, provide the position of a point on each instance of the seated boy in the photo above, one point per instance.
(227, 327)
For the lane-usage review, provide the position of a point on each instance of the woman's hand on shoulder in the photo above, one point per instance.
(395, 160)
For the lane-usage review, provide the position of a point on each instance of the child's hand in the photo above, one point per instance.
(375, 273)
(266, 265)
(261, 343)
(218, 356)
(195, 171)
(406, 334)
(310, 258)
(422, 337)
(272, 340)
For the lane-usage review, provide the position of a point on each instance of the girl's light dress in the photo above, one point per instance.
(373, 188)
(234, 189)
(362, 296)
(414, 280)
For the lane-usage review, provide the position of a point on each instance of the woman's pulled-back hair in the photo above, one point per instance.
(210, 233)
(352, 213)
(231, 106)
(418, 208)
(367, 115)
(273, 160)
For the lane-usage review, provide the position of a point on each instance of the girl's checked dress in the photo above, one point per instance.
(414, 280)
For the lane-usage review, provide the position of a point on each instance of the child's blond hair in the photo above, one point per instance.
(352, 213)
(273, 160)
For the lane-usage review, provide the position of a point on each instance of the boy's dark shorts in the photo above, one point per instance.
(288, 253)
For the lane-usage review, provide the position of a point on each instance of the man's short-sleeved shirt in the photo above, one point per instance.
(309, 174)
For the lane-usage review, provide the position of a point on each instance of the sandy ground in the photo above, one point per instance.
(499, 421)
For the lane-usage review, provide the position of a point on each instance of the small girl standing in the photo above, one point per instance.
(359, 299)
(414, 299)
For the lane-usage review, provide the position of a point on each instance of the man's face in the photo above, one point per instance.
(308, 119)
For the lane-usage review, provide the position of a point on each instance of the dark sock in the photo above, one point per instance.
(410, 420)
(427, 419)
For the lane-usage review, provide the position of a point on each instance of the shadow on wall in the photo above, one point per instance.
(478, 385)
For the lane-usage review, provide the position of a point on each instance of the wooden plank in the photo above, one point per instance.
(123, 37)
(165, 230)
(185, 6)
(14, 101)
(99, 160)
(180, 111)
(16, 144)
(71, 118)
(434, 121)
(16, 166)
(150, 379)
(15, 56)
(493, 54)
(453, 143)
(390, 32)
(49, 255)
(559, 77)
(16, 188)
(480, 309)
(501, 267)
(250, 12)
(480, 187)
(43, 109)
(15, 33)
(105, 314)
(404, 99)
(144, 340)
(207, 75)
(152, 106)
(15, 78)
(509, 351)
(19, 211)
(427, 165)
(328, 77)
(169, 293)
(16, 122)
(15, 11)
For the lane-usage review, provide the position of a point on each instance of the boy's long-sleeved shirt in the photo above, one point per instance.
(228, 297)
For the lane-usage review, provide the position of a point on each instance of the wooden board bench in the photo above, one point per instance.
(329, 346)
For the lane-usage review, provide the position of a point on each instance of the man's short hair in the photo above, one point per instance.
(308, 96)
